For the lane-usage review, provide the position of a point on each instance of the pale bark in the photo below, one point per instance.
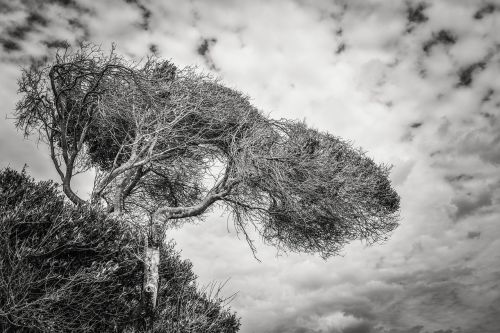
(151, 276)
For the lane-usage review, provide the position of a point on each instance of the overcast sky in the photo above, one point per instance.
(416, 84)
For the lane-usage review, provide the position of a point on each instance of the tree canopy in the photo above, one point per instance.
(169, 143)
(67, 268)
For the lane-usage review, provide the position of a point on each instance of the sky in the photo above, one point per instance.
(415, 84)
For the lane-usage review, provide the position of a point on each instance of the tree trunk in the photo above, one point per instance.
(153, 241)
(150, 286)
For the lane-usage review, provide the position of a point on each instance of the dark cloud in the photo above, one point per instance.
(488, 95)
(486, 9)
(442, 37)
(5, 7)
(362, 327)
(415, 15)
(288, 329)
(33, 20)
(64, 3)
(38, 24)
(431, 297)
(56, 43)
(473, 234)
(10, 45)
(203, 50)
(362, 310)
(458, 179)
(146, 15)
(153, 48)
(204, 47)
(469, 204)
(414, 329)
(466, 73)
(341, 48)
(75, 23)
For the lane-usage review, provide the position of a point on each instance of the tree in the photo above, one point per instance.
(66, 268)
(167, 144)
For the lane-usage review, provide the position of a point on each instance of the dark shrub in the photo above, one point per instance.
(74, 269)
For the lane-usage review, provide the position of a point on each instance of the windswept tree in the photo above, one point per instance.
(167, 144)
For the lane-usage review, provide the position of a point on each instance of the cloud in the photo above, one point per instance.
(28, 29)
(469, 204)
(334, 322)
(204, 51)
(473, 234)
(145, 13)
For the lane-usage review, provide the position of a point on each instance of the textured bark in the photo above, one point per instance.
(150, 287)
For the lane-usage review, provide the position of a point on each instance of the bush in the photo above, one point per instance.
(75, 269)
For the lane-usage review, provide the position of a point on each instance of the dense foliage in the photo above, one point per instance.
(65, 268)
(169, 143)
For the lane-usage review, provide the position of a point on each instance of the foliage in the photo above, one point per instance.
(313, 192)
(66, 268)
(168, 144)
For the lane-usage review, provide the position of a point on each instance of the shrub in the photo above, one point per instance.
(73, 269)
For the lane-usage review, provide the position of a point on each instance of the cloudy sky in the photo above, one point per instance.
(416, 84)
